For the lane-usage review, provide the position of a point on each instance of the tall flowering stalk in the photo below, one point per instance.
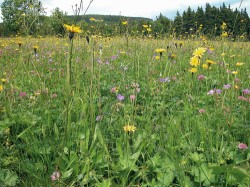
(72, 29)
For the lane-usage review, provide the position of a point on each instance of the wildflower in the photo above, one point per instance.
(98, 118)
(193, 70)
(167, 79)
(160, 51)
(157, 57)
(35, 47)
(132, 98)
(145, 26)
(22, 94)
(129, 128)
(218, 91)
(224, 34)
(246, 91)
(201, 77)
(19, 44)
(239, 64)
(204, 66)
(235, 72)
(226, 86)
(211, 92)
(3, 80)
(199, 52)
(224, 26)
(125, 22)
(242, 146)
(72, 30)
(223, 54)
(1, 87)
(202, 110)
(55, 176)
(92, 19)
(194, 61)
(114, 90)
(210, 62)
(120, 97)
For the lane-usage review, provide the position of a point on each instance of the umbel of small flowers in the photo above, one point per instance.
(72, 30)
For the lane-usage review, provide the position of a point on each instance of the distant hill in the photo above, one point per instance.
(109, 19)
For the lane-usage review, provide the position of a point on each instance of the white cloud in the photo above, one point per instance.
(142, 8)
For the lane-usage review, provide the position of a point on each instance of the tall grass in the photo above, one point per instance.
(61, 112)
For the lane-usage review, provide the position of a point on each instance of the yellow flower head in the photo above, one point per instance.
(194, 61)
(125, 22)
(35, 47)
(193, 70)
(145, 26)
(92, 19)
(3, 80)
(1, 87)
(224, 26)
(199, 52)
(239, 64)
(160, 50)
(157, 57)
(129, 128)
(224, 34)
(72, 28)
(209, 62)
(235, 72)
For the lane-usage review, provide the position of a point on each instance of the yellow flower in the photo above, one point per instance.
(199, 52)
(72, 28)
(160, 50)
(235, 72)
(3, 80)
(149, 30)
(125, 22)
(210, 62)
(129, 128)
(35, 47)
(157, 57)
(194, 61)
(91, 19)
(1, 87)
(239, 64)
(204, 66)
(223, 54)
(224, 26)
(145, 26)
(193, 70)
(224, 34)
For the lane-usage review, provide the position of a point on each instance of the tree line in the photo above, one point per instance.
(27, 17)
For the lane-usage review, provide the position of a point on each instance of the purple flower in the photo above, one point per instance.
(246, 91)
(242, 146)
(120, 97)
(22, 94)
(201, 77)
(114, 57)
(226, 86)
(218, 91)
(211, 92)
(167, 79)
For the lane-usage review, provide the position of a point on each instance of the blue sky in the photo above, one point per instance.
(141, 8)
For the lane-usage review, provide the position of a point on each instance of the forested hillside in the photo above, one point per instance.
(207, 21)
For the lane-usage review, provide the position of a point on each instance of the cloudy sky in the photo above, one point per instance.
(141, 8)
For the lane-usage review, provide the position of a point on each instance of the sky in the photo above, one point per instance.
(138, 8)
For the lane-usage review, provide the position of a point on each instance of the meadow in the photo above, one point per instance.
(124, 111)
